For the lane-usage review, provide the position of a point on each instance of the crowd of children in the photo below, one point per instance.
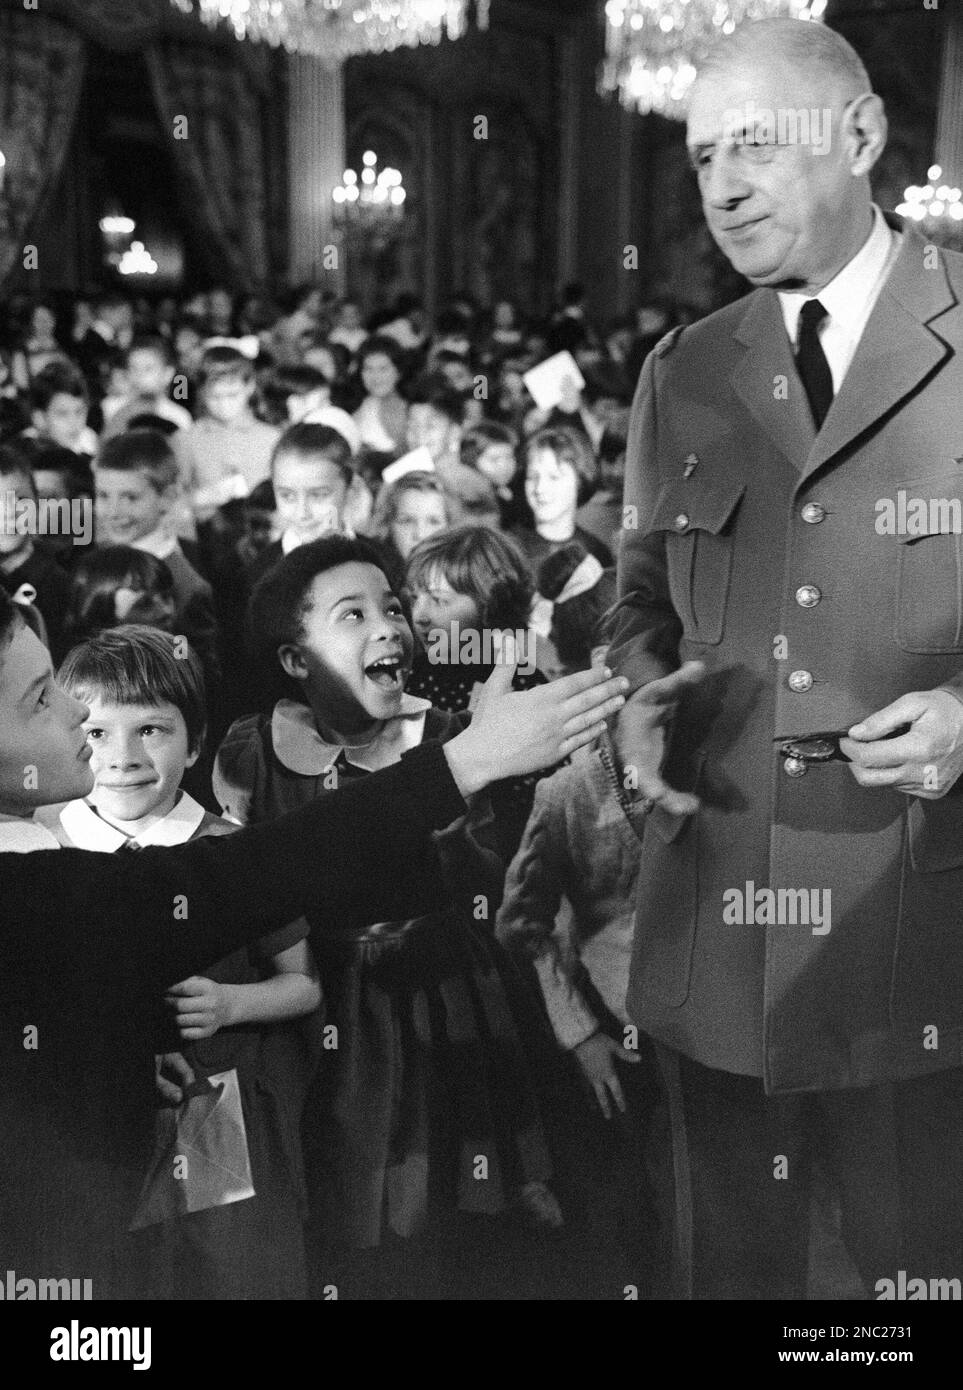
(305, 548)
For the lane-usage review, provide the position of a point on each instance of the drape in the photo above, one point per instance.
(220, 163)
(42, 64)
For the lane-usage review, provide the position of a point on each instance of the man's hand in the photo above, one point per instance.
(639, 737)
(513, 733)
(923, 762)
(595, 1056)
(202, 1007)
(167, 1066)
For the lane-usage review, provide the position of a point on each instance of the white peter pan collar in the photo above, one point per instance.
(299, 746)
(23, 835)
(88, 831)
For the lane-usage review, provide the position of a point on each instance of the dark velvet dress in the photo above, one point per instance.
(425, 1101)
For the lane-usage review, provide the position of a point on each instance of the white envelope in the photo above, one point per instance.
(544, 382)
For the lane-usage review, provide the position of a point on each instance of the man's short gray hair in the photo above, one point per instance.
(807, 45)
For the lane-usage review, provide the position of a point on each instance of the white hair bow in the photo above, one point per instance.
(249, 346)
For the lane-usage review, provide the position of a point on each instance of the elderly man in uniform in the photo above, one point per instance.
(791, 618)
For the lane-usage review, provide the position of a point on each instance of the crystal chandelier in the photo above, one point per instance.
(378, 196)
(936, 208)
(335, 29)
(653, 47)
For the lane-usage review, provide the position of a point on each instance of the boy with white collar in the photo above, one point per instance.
(145, 725)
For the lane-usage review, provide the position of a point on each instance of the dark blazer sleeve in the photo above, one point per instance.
(646, 632)
(151, 918)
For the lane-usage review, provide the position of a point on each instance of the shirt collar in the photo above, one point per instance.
(88, 831)
(22, 835)
(159, 543)
(299, 746)
(850, 292)
(290, 540)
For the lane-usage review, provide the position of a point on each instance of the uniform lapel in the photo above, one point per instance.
(897, 351)
(765, 365)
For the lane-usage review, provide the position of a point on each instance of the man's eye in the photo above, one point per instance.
(94, 734)
(43, 698)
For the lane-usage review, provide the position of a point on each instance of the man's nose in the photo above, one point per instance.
(724, 184)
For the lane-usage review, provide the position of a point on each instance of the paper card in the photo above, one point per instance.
(417, 461)
(544, 382)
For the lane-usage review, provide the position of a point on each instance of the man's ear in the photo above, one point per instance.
(292, 662)
(864, 129)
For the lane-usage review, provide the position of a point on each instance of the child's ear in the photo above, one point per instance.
(192, 757)
(292, 662)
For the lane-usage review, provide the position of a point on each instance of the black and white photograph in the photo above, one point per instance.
(481, 669)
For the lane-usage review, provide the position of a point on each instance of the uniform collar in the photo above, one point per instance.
(88, 831)
(299, 746)
(22, 835)
(849, 296)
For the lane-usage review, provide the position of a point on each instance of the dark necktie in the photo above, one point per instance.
(811, 361)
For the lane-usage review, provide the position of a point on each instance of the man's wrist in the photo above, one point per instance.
(469, 763)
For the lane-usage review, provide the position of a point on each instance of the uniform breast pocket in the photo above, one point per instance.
(929, 584)
(698, 543)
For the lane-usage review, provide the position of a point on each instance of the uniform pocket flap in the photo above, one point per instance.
(667, 826)
(931, 506)
(682, 507)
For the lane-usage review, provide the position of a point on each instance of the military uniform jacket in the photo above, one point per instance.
(770, 553)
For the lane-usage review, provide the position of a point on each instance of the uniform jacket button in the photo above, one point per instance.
(794, 767)
(807, 596)
(800, 681)
(813, 513)
(681, 521)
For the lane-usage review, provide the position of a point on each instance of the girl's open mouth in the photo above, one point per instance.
(387, 673)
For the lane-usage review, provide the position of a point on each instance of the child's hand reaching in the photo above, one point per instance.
(202, 1007)
(169, 1065)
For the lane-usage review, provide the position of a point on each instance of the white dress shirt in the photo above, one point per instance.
(848, 299)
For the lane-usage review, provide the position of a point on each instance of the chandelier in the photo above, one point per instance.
(378, 196)
(653, 47)
(936, 208)
(336, 29)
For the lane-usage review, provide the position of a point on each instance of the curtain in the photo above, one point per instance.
(202, 93)
(42, 66)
